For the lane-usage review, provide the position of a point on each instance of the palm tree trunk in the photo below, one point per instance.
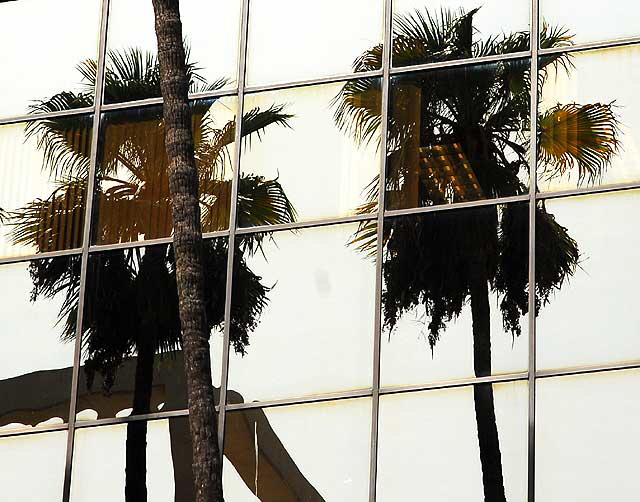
(183, 185)
(488, 441)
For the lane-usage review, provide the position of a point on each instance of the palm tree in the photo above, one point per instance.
(132, 303)
(461, 135)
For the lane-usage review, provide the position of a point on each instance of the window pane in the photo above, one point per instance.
(321, 158)
(133, 200)
(157, 455)
(43, 173)
(311, 452)
(458, 135)
(41, 57)
(308, 300)
(430, 32)
(291, 40)
(587, 437)
(32, 467)
(132, 355)
(591, 319)
(455, 295)
(589, 128)
(38, 331)
(592, 20)
(459, 445)
(211, 33)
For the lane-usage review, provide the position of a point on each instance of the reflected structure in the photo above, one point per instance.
(324, 172)
(592, 20)
(587, 437)
(167, 457)
(37, 65)
(37, 341)
(312, 452)
(593, 319)
(292, 41)
(317, 318)
(211, 31)
(444, 30)
(594, 138)
(44, 167)
(429, 444)
(32, 466)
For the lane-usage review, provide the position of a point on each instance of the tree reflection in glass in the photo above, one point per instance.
(131, 304)
(460, 135)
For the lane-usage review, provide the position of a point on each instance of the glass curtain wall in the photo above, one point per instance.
(419, 226)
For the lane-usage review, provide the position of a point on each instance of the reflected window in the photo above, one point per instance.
(32, 466)
(591, 20)
(313, 452)
(133, 199)
(587, 437)
(309, 298)
(458, 135)
(43, 63)
(44, 167)
(132, 360)
(589, 130)
(137, 461)
(455, 295)
(284, 46)
(592, 319)
(326, 166)
(431, 32)
(38, 331)
(211, 34)
(458, 444)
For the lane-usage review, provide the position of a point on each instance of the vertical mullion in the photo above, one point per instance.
(377, 333)
(86, 243)
(242, 62)
(533, 141)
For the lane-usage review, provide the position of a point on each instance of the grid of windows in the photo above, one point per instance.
(372, 228)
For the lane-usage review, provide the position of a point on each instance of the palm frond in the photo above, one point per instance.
(358, 109)
(580, 136)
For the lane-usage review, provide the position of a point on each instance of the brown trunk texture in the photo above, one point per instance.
(488, 441)
(187, 238)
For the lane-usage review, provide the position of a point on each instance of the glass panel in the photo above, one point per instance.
(211, 32)
(37, 308)
(591, 317)
(589, 130)
(308, 304)
(592, 20)
(455, 295)
(41, 58)
(311, 452)
(291, 41)
(466, 444)
(146, 460)
(43, 173)
(314, 149)
(133, 200)
(132, 358)
(587, 437)
(430, 32)
(32, 467)
(458, 135)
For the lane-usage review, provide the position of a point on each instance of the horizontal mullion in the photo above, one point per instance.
(160, 415)
(318, 398)
(40, 256)
(585, 370)
(313, 81)
(460, 62)
(30, 117)
(458, 205)
(607, 44)
(589, 190)
(297, 225)
(33, 430)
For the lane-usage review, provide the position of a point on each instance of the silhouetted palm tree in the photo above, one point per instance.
(132, 306)
(458, 135)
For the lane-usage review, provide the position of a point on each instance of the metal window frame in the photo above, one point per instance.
(376, 390)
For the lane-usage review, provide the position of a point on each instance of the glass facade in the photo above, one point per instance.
(420, 250)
